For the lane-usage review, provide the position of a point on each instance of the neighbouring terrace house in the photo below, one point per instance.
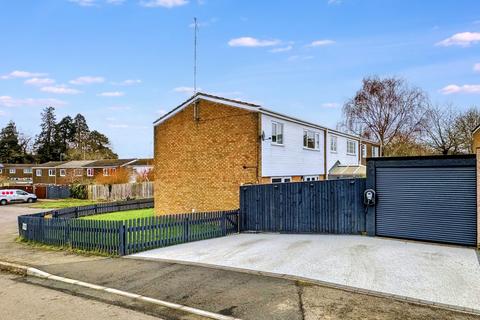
(209, 146)
(17, 174)
(82, 171)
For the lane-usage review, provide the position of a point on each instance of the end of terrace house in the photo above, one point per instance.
(209, 146)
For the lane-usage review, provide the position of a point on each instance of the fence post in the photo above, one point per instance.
(122, 250)
(185, 229)
(224, 223)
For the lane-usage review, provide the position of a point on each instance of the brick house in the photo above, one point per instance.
(17, 174)
(83, 171)
(208, 146)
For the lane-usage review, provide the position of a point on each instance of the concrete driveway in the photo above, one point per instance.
(441, 274)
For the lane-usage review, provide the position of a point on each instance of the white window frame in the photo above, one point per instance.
(349, 142)
(77, 171)
(277, 130)
(311, 178)
(63, 172)
(12, 171)
(316, 139)
(38, 172)
(333, 144)
(282, 179)
(375, 151)
(363, 148)
(106, 172)
(27, 171)
(90, 172)
(50, 172)
(1, 171)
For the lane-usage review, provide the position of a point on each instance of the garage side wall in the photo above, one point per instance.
(478, 197)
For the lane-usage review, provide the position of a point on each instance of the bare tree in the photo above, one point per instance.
(465, 124)
(440, 130)
(385, 109)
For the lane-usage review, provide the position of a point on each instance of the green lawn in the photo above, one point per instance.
(62, 203)
(122, 215)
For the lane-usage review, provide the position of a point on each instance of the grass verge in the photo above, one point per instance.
(46, 247)
(122, 215)
(62, 203)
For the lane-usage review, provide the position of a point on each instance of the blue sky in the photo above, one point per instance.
(124, 63)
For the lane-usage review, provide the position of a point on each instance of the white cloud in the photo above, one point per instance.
(281, 49)
(164, 3)
(252, 42)
(161, 112)
(118, 126)
(112, 94)
(84, 3)
(7, 101)
(39, 81)
(186, 90)
(462, 39)
(299, 58)
(476, 67)
(60, 90)
(119, 108)
(128, 82)
(87, 80)
(321, 43)
(466, 88)
(331, 105)
(22, 74)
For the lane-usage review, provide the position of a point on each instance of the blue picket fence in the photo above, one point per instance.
(61, 228)
(332, 206)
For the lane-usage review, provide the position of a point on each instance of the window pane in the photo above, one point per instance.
(305, 139)
(317, 141)
(280, 133)
(276, 180)
(274, 132)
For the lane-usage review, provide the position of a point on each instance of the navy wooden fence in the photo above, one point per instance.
(61, 228)
(332, 206)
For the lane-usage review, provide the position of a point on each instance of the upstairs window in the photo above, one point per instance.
(27, 170)
(51, 172)
(375, 151)
(351, 147)
(106, 172)
(333, 144)
(1, 171)
(90, 172)
(310, 178)
(311, 140)
(78, 172)
(277, 133)
(38, 172)
(63, 172)
(364, 150)
(12, 170)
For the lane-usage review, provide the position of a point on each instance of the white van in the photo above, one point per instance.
(16, 195)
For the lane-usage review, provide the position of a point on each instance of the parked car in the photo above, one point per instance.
(16, 195)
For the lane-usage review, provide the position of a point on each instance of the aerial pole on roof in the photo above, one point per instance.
(195, 26)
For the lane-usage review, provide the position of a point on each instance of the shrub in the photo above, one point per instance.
(79, 191)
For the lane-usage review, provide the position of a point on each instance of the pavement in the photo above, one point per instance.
(21, 300)
(442, 274)
(239, 294)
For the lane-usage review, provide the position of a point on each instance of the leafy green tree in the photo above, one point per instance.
(64, 135)
(10, 149)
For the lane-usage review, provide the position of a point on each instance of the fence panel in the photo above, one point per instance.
(332, 206)
(118, 192)
(124, 237)
(155, 232)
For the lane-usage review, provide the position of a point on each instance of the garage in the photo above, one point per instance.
(425, 198)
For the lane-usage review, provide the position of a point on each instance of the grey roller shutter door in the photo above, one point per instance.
(432, 204)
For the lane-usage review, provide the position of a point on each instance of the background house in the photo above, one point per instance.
(209, 146)
(16, 174)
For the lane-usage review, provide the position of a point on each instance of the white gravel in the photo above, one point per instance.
(438, 273)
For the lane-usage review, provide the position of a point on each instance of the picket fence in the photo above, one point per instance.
(62, 228)
(116, 192)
